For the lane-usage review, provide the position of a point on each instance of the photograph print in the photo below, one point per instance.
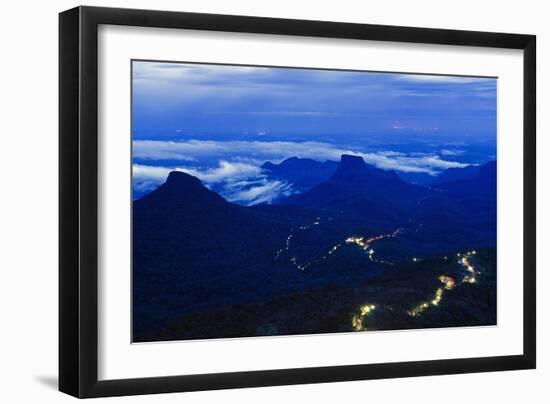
(270, 201)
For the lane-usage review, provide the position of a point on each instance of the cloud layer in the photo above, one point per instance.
(233, 168)
(237, 182)
(276, 151)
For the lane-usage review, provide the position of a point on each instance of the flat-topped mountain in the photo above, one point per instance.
(353, 169)
(356, 183)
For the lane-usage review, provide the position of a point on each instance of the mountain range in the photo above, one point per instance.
(194, 251)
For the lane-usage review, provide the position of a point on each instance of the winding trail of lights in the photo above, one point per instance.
(449, 283)
(358, 321)
(288, 240)
(365, 244)
(470, 277)
(362, 242)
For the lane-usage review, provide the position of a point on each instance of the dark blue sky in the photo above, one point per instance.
(175, 100)
(232, 118)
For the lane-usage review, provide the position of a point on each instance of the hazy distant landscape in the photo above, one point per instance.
(292, 201)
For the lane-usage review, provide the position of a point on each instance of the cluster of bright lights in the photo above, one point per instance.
(447, 281)
(418, 309)
(358, 321)
(366, 309)
(465, 262)
(360, 241)
(364, 243)
(438, 296)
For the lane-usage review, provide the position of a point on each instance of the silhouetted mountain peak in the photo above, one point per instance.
(181, 179)
(350, 161)
(302, 173)
(356, 180)
(183, 190)
(350, 168)
(354, 169)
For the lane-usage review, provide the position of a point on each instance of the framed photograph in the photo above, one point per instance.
(251, 201)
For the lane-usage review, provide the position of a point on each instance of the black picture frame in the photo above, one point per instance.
(78, 201)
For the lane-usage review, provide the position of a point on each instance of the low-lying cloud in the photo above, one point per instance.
(276, 151)
(233, 168)
(237, 182)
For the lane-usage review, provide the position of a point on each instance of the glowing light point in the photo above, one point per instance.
(438, 296)
(447, 281)
(358, 320)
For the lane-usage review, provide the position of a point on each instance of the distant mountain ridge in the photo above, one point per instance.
(302, 173)
(355, 180)
(480, 179)
(455, 174)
